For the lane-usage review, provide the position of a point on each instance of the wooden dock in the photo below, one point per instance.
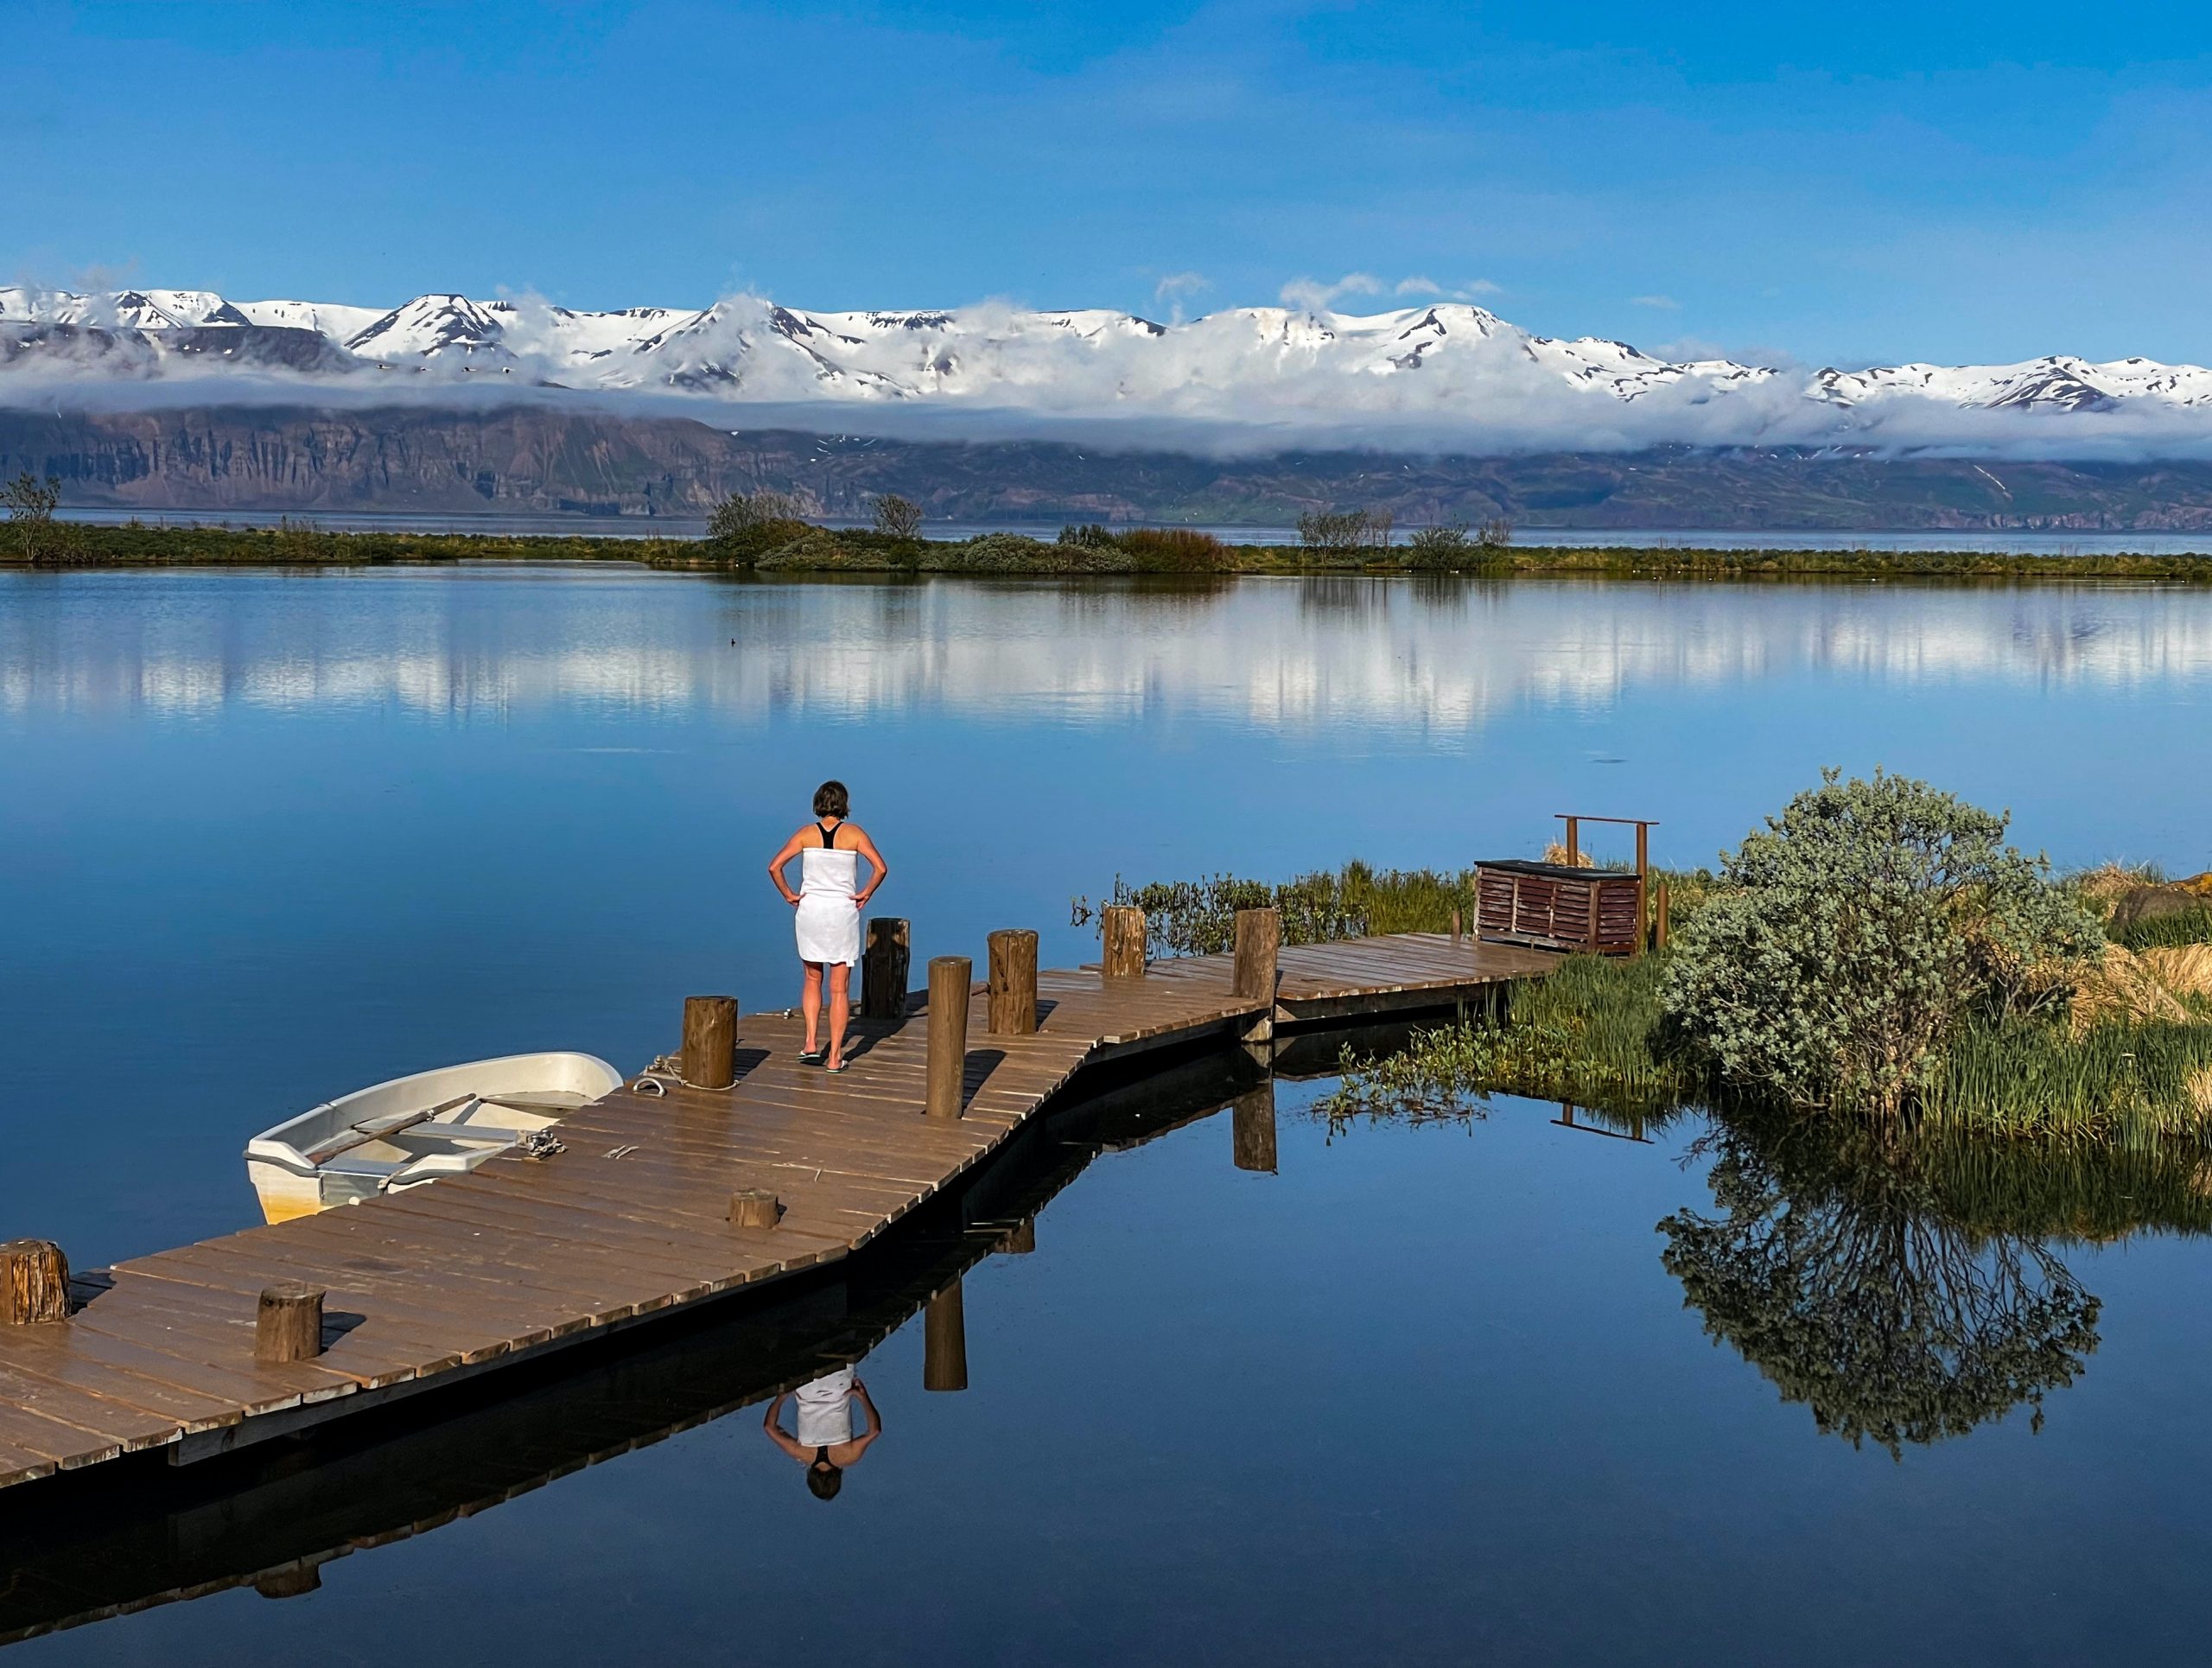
(444, 1283)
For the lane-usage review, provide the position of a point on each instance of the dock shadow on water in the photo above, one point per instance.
(123, 1538)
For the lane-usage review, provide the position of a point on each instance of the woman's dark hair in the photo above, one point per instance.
(830, 800)
(825, 1480)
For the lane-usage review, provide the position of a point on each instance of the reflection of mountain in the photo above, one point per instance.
(1288, 655)
(1874, 1286)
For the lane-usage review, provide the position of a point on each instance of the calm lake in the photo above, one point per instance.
(1432, 1393)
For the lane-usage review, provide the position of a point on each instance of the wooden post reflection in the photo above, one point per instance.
(1252, 1124)
(1021, 1239)
(944, 1342)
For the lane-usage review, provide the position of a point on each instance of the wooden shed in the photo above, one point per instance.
(1553, 907)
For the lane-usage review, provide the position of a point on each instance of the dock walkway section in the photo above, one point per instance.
(454, 1279)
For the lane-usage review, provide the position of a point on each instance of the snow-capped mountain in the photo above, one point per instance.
(1442, 366)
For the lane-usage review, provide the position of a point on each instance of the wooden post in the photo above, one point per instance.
(1252, 1129)
(885, 966)
(950, 978)
(709, 1058)
(1013, 982)
(1455, 924)
(944, 1342)
(33, 1282)
(1574, 841)
(293, 1581)
(287, 1325)
(754, 1208)
(1252, 971)
(1259, 941)
(1643, 849)
(1659, 917)
(1021, 1239)
(1124, 941)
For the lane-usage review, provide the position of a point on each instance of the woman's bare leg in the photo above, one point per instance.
(841, 1008)
(810, 1004)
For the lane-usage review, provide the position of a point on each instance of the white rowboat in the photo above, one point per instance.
(414, 1130)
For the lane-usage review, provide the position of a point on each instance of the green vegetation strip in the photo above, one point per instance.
(783, 547)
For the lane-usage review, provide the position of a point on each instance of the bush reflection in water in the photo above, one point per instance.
(1904, 1286)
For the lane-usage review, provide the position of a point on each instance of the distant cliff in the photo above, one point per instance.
(538, 459)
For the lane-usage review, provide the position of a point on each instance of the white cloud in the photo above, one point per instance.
(1173, 286)
(1666, 303)
(1315, 296)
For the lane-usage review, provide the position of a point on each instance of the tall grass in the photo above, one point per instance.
(2163, 932)
(2130, 1084)
(1199, 917)
(1588, 1033)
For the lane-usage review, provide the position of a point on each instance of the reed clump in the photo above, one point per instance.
(1199, 917)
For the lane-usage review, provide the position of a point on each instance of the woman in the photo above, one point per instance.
(829, 900)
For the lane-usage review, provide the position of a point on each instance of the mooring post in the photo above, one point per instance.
(754, 1208)
(293, 1581)
(1252, 1129)
(287, 1323)
(709, 1054)
(1012, 986)
(1573, 842)
(885, 966)
(1259, 943)
(33, 1282)
(1124, 936)
(1659, 916)
(950, 978)
(944, 1342)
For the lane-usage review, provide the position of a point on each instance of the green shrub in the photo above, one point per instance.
(746, 527)
(1439, 547)
(819, 550)
(30, 502)
(1343, 531)
(1852, 938)
(1013, 553)
(1174, 550)
(1090, 536)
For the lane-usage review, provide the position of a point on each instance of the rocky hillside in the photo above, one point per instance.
(546, 458)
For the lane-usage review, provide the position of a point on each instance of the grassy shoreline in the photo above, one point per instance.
(2126, 1064)
(79, 546)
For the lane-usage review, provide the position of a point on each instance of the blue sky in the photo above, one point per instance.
(1872, 183)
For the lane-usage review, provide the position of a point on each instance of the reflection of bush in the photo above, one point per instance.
(1850, 1282)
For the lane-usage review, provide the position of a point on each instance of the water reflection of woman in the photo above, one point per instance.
(825, 1443)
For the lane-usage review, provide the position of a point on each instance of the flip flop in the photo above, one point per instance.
(842, 1066)
(812, 1056)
